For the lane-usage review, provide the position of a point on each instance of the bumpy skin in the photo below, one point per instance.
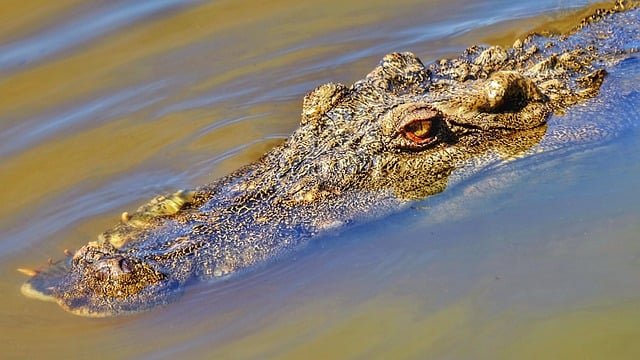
(360, 152)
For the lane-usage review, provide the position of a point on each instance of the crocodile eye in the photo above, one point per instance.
(420, 126)
(420, 131)
(414, 126)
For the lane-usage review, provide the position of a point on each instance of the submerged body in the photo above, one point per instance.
(360, 152)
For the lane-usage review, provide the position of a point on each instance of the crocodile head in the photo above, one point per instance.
(400, 130)
(397, 131)
(98, 282)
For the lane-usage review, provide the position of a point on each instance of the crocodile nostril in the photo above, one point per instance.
(125, 266)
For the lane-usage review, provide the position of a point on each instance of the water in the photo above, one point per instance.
(105, 105)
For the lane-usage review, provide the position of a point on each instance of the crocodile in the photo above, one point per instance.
(361, 152)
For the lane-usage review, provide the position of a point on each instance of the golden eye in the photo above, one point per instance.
(421, 131)
(416, 126)
(418, 130)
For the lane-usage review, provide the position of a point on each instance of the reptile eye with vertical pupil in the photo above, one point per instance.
(420, 126)
(419, 131)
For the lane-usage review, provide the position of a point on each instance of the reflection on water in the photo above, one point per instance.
(105, 106)
(78, 30)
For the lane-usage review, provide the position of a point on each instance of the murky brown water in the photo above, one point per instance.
(104, 105)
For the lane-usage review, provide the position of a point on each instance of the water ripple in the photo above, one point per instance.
(48, 42)
(27, 133)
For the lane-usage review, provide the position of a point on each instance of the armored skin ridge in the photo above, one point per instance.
(361, 152)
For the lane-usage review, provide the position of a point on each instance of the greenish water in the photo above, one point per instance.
(106, 104)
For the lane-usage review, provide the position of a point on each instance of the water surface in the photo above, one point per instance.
(106, 104)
